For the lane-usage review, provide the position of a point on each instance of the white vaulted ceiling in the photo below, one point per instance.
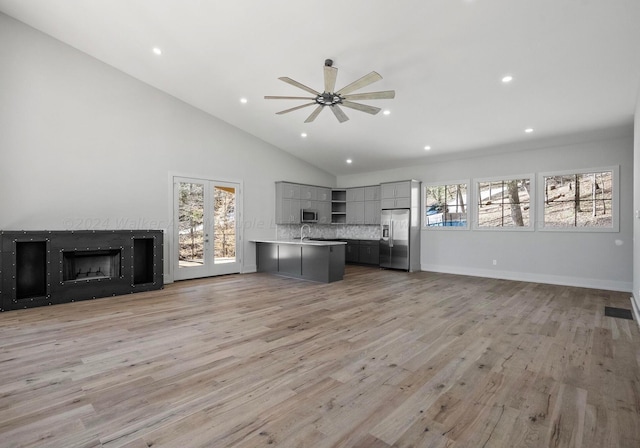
(575, 67)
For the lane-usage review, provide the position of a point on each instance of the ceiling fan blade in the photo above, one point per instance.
(298, 85)
(360, 83)
(330, 75)
(340, 115)
(363, 107)
(314, 114)
(271, 97)
(295, 108)
(385, 95)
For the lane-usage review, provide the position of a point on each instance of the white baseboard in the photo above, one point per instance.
(250, 269)
(636, 310)
(534, 278)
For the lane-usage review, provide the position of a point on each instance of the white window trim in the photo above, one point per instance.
(468, 205)
(615, 200)
(532, 203)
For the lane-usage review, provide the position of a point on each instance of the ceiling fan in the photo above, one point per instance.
(334, 99)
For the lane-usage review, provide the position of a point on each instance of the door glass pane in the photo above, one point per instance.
(224, 211)
(191, 224)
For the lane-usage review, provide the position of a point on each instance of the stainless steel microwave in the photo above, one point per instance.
(307, 215)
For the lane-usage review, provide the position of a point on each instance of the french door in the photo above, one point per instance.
(207, 236)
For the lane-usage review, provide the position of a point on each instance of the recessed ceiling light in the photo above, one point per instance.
(528, 130)
(427, 148)
(386, 112)
(303, 135)
(507, 79)
(349, 160)
(243, 100)
(157, 51)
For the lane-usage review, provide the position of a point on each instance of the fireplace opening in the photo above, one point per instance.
(91, 265)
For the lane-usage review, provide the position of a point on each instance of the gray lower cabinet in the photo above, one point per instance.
(289, 259)
(369, 252)
(323, 263)
(309, 262)
(363, 252)
(352, 254)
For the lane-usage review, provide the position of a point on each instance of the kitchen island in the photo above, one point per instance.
(320, 261)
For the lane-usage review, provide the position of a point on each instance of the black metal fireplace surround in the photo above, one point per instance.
(40, 268)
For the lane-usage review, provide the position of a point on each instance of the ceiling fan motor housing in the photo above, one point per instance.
(328, 99)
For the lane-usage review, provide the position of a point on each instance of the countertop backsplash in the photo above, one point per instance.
(358, 232)
(352, 232)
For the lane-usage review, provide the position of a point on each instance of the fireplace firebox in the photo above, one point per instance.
(91, 264)
(47, 267)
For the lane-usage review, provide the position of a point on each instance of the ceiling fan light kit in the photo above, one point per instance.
(333, 99)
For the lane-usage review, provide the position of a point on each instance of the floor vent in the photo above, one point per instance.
(618, 312)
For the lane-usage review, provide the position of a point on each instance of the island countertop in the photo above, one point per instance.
(306, 242)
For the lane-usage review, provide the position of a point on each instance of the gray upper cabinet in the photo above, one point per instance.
(395, 203)
(355, 194)
(372, 212)
(287, 190)
(323, 194)
(355, 212)
(308, 193)
(288, 211)
(358, 205)
(287, 203)
(394, 190)
(324, 212)
(396, 194)
(372, 204)
(322, 204)
(355, 205)
(363, 205)
(308, 196)
(292, 198)
(372, 193)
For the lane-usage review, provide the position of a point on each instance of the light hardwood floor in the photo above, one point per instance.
(381, 359)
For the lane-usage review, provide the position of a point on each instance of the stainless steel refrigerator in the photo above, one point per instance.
(395, 248)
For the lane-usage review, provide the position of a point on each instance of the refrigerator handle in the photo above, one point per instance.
(391, 233)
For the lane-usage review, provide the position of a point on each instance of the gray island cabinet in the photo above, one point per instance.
(320, 261)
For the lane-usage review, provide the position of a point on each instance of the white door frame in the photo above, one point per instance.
(211, 268)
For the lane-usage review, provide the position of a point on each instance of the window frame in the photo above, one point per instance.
(533, 193)
(466, 198)
(615, 200)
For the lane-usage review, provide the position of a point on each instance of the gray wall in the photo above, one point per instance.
(600, 260)
(87, 146)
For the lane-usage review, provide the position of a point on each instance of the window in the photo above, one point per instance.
(505, 203)
(580, 200)
(446, 205)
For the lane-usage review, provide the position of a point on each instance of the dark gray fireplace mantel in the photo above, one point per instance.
(40, 268)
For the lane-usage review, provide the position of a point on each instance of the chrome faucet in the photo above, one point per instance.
(302, 231)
